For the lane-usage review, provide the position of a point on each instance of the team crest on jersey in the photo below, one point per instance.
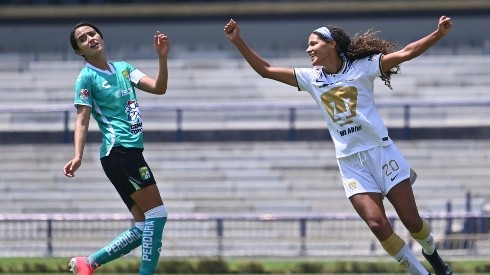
(352, 185)
(84, 94)
(125, 74)
(144, 173)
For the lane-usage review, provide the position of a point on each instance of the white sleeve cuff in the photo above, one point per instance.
(136, 76)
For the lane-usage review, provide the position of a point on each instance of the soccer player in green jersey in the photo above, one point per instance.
(106, 91)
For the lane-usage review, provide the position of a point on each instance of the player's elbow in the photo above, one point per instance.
(161, 91)
(265, 73)
(409, 53)
(159, 88)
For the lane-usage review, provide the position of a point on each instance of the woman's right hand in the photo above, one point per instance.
(71, 167)
(444, 25)
(231, 30)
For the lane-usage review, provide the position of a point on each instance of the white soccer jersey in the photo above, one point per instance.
(347, 102)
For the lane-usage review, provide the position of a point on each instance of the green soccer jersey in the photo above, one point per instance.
(112, 97)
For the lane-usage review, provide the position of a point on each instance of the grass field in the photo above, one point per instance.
(245, 274)
(36, 266)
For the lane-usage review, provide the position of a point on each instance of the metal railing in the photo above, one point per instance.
(203, 235)
(179, 117)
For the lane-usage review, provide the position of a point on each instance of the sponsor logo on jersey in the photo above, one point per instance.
(340, 82)
(144, 173)
(84, 94)
(118, 93)
(134, 116)
(326, 84)
(122, 93)
(105, 84)
(350, 130)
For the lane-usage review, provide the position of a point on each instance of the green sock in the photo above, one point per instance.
(122, 245)
(151, 244)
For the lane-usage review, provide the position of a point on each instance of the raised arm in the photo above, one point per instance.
(418, 47)
(80, 137)
(262, 67)
(158, 85)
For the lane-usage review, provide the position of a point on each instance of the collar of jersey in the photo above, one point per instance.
(342, 70)
(112, 71)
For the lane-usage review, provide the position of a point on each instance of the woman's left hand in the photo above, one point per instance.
(162, 44)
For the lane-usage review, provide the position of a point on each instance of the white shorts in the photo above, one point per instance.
(375, 170)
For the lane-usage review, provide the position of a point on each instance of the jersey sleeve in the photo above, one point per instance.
(370, 65)
(135, 75)
(83, 91)
(304, 77)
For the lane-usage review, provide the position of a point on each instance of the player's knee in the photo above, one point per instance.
(378, 225)
(414, 224)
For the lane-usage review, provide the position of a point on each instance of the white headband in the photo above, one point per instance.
(325, 32)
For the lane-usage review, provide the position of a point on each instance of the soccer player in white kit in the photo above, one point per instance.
(341, 82)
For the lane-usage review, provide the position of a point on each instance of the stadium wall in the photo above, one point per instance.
(196, 29)
(199, 25)
(42, 137)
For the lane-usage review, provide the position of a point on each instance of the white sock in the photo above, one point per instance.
(408, 261)
(140, 225)
(157, 212)
(427, 244)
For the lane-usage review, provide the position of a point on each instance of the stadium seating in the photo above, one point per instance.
(218, 80)
(244, 177)
(296, 177)
(234, 177)
(432, 78)
(238, 178)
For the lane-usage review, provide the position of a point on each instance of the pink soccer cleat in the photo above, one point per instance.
(79, 266)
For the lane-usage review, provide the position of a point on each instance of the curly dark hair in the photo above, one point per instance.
(362, 45)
